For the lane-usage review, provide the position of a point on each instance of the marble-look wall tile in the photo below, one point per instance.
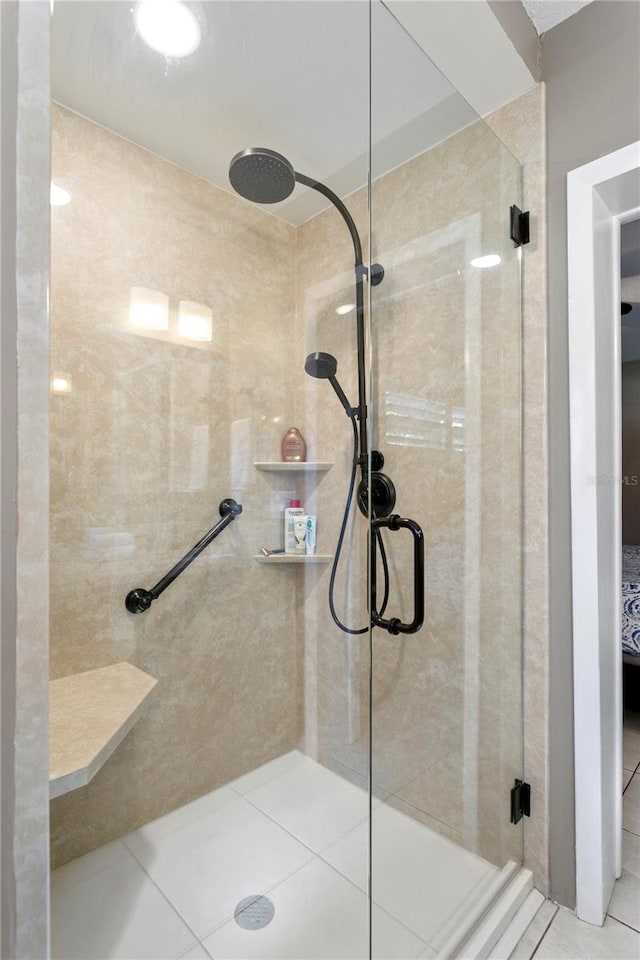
(446, 412)
(25, 347)
(154, 432)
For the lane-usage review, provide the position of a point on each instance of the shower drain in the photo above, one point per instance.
(254, 913)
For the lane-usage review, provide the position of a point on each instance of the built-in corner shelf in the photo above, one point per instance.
(90, 714)
(294, 558)
(306, 466)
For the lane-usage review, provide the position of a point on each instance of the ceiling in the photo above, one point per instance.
(290, 76)
(545, 14)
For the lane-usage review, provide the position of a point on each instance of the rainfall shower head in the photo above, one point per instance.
(323, 366)
(262, 175)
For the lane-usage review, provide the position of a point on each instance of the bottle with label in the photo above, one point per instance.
(291, 512)
(294, 449)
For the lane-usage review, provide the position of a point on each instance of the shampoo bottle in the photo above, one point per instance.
(294, 449)
(291, 512)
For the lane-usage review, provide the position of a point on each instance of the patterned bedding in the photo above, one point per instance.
(631, 600)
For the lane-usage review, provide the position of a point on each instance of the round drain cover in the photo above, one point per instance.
(253, 913)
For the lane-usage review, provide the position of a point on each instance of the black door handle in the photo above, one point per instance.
(394, 624)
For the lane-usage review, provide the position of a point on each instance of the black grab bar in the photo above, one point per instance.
(139, 600)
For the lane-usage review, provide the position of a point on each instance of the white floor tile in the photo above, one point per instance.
(115, 913)
(208, 866)
(313, 804)
(631, 806)
(91, 863)
(350, 855)
(625, 902)
(196, 953)
(163, 826)
(268, 771)
(319, 915)
(570, 939)
(419, 877)
(631, 852)
(630, 748)
(534, 933)
(627, 776)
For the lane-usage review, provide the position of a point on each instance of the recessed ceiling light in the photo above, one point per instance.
(345, 308)
(168, 27)
(491, 260)
(58, 196)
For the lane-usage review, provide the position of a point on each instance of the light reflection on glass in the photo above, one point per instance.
(148, 309)
(61, 383)
(195, 321)
(417, 422)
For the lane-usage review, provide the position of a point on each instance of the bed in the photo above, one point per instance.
(631, 604)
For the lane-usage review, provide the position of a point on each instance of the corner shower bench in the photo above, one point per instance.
(90, 714)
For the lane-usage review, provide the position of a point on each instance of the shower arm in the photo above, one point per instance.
(360, 271)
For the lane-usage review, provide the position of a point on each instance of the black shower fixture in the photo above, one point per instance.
(262, 175)
(265, 176)
(324, 366)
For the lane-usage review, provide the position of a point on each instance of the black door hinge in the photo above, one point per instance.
(520, 801)
(519, 226)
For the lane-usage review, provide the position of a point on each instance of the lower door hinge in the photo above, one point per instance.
(519, 226)
(520, 801)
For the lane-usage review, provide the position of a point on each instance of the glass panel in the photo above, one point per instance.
(447, 711)
(181, 316)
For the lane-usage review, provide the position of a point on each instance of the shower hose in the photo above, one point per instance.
(343, 527)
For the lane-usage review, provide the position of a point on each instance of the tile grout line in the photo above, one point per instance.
(165, 897)
(98, 870)
(449, 826)
(545, 931)
(262, 893)
(633, 773)
(624, 923)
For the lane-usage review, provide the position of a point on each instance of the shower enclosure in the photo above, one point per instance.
(298, 784)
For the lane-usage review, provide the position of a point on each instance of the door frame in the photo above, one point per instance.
(600, 196)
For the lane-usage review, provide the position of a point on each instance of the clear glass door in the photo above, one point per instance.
(446, 407)
(206, 290)
(214, 242)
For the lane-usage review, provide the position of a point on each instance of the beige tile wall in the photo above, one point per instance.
(155, 432)
(445, 747)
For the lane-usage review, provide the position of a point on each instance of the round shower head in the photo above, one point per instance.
(323, 366)
(262, 175)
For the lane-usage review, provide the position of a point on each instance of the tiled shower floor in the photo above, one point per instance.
(291, 830)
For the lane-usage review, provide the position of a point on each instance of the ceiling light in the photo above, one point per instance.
(345, 308)
(148, 309)
(491, 260)
(168, 27)
(58, 196)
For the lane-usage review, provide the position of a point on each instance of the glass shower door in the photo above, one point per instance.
(185, 303)
(446, 721)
